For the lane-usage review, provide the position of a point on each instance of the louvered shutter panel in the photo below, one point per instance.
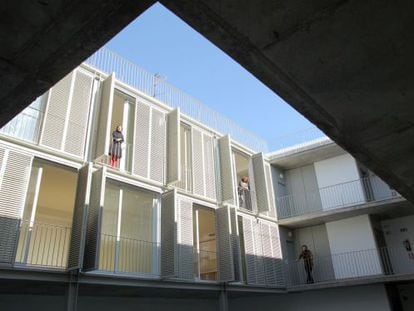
(253, 196)
(224, 244)
(55, 119)
(253, 252)
(262, 196)
(235, 245)
(157, 146)
(93, 230)
(198, 169)
(270, 191)
(80, 213)
(14, 180)
(105, 110)
(226, 170)
(79, 112)
(209, 169)
(168, 235)
(141, 140)
(173, 147)
(272, 255)
(185, 266)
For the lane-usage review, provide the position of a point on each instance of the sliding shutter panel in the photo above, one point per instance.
(262, 196)
(79, 113)
(142, 140)
(209, 169)
(226, 170)
(80, 213)
(224, 245)
(198, 169)
(168, 235)
(157, 146)
(96, 203)
(235, 245)
(272, 254)
(270, 191)
(105, 111)
(56, 113)
(14, 180)
(185, 240)
(173, 147)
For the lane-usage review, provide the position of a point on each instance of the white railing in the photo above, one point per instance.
(154, 85)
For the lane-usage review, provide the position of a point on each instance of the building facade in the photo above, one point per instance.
(187, 210)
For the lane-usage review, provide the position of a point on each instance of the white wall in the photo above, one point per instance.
(361, 298)
(338, 180)
(353, 247)
(396, 231)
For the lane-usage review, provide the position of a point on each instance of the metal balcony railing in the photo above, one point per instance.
(128, 255)
(245, 199)
(154, 85)
(367, 189)
(43, 245)
(350, 265)
(205, 265)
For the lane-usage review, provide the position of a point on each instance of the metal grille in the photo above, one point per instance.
(224, 246)
(157, 146)
(78, 116)
(260, 183)
(79, 217)
(235, 245)
(210, 180)
(173, 147)
(168, 234)
(105, 109)
(14, 184)
(142, 140)
(92, 243)
(185, 263)
(226, 179)
(198, 169)
(55, 118)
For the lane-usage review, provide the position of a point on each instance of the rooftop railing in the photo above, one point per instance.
(360, 191)
(358, 264)
(154, 85)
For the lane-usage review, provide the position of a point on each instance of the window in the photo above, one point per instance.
(242, 178)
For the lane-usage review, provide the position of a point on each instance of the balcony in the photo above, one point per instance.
(245, 199)
(353, 193)
(124, 164)
(355, 265)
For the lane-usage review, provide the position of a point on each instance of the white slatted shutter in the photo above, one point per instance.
(80, 214)
(253, 252)
(226, 170)
(185, 241)
(262, 195)
(198, 167)
(235, 245)
(272, 254)
(270, 191)
(209, 168)
(93, 230)
(142, 140)
(79, 113)
(56, 113)
(173, 147)
(105, 110)
(168, 235)
(224, 244)
(14, 179)
(157, 159)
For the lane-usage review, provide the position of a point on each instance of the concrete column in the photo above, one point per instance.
(72, 294)
(223, 301)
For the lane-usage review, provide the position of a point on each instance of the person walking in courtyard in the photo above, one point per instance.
(115, 149)
(307, 257)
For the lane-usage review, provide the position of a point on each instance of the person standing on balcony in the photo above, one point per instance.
(307, 257)
(243, 191)
(115, 149)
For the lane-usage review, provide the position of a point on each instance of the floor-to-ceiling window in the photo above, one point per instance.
(47, 219)
(243, 179)
(129, 237)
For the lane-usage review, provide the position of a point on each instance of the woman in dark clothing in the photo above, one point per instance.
(307, 257)
(115, 149)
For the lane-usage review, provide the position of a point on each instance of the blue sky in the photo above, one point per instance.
(160, 42)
